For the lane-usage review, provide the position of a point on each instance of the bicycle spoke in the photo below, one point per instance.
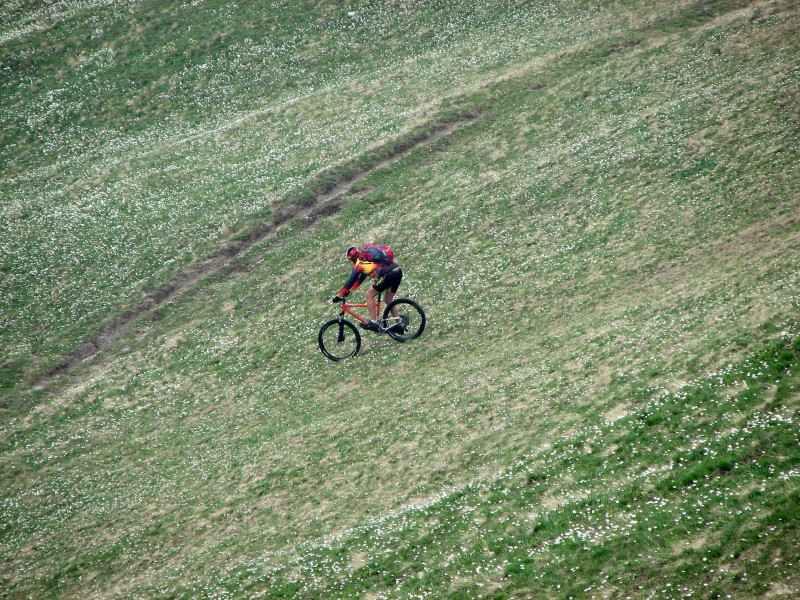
(339, 339)
(409, 322)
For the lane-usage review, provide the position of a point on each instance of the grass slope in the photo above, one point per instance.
(605, 401)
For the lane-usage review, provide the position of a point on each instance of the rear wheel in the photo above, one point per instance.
(409, 322)
(339, 339)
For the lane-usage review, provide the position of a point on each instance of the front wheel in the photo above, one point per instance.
(409, 322)
(339, 339)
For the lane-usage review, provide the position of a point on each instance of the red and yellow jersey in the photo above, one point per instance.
(361, 270)
(367, 268)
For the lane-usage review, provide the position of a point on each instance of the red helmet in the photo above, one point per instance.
(352, 253)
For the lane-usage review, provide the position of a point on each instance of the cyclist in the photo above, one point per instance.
(386, 275)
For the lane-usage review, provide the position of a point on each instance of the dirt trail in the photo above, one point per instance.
(324, 203)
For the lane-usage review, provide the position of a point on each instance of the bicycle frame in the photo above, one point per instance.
(348, 308)
(400, 326)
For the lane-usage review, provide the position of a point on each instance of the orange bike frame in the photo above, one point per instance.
(348, 308)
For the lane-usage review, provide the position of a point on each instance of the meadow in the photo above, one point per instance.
(595, 203)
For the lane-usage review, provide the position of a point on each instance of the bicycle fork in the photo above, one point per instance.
(340, 337)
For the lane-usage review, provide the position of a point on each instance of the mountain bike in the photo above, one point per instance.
(340, 338)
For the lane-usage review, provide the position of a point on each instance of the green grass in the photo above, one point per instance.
(138, 200)
(604, 403)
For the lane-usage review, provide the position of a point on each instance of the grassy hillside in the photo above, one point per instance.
(597, 205)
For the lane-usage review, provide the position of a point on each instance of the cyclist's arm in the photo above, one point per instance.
(357, 277)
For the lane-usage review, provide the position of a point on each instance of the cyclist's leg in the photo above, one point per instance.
(388, 296)
(372, 306)
(393, 283)
(378, 286)
(388, 284)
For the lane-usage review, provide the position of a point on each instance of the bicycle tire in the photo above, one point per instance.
(410, 314)
(339, 339)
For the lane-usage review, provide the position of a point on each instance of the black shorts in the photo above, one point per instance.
(389, 280)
